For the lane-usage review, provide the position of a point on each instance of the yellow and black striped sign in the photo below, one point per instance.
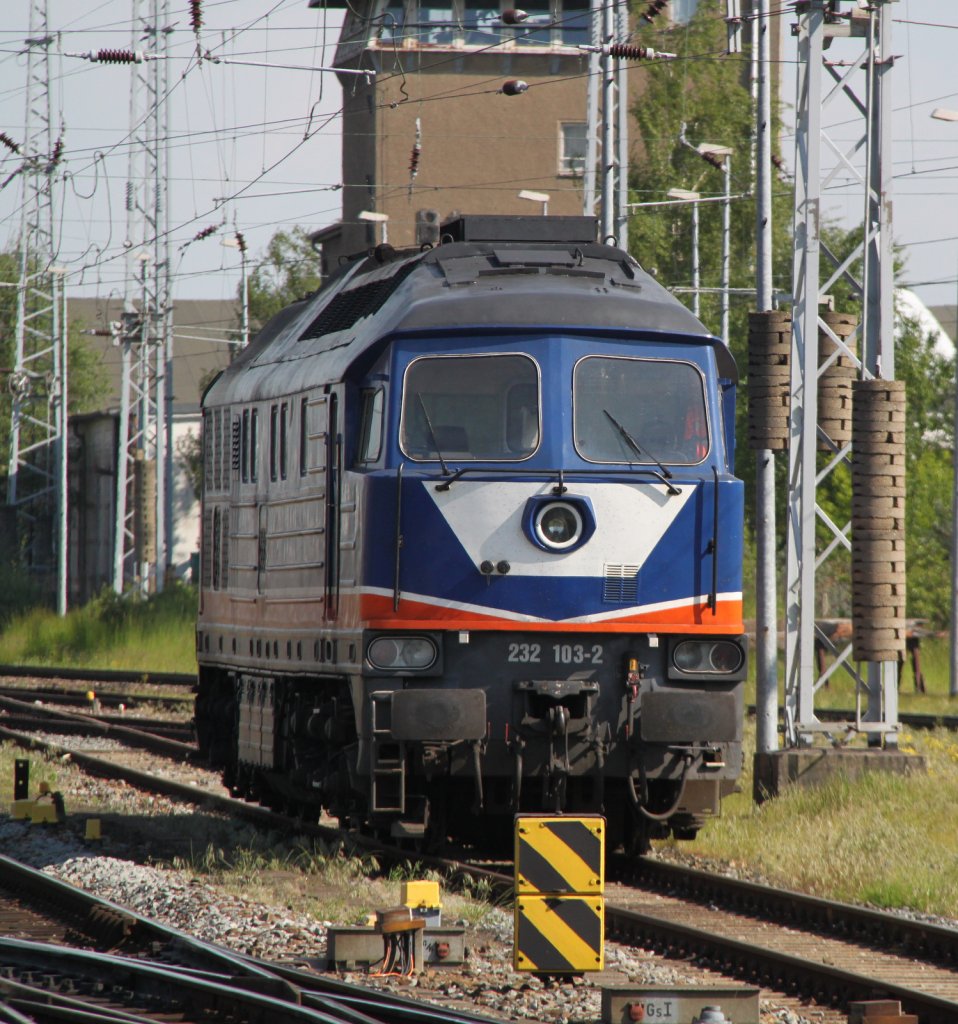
(559, 934)
(560, 854)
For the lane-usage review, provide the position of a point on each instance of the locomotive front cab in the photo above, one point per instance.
(553, 588)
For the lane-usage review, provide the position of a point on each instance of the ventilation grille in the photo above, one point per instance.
(352, 305)
(621, 584)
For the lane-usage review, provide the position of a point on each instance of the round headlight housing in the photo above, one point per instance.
(713, 657)
(558, 525)
(398, 653)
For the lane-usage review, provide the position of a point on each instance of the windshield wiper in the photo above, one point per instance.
(432, 434)
(634, 445)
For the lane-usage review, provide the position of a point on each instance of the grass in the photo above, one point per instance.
(111, 632)
(328, 882)
(840, 691)
(882, 839)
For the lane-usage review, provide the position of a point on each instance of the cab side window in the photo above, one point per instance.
(371, 425)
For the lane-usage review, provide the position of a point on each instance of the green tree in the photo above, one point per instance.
(929, 438)
(703, 96)
(705, 92)
(290, 269)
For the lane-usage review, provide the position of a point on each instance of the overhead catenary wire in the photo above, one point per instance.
(247, 188)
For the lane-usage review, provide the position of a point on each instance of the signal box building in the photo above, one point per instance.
(440, 66)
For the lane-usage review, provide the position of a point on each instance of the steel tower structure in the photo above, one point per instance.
(828, 85)
(607, 133)
(143, 525)
(36, 481)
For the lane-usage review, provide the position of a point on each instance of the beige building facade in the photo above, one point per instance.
(435, 132)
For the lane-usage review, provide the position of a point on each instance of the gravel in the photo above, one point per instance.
(113, 868)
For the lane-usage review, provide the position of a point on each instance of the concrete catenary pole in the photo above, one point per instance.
(766, 626)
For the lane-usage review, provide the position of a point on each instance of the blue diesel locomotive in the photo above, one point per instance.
(472, 544)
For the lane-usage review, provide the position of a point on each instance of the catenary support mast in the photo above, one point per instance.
(36, 490)
(143, 526)
(836, 88)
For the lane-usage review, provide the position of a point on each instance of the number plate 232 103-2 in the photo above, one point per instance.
(555, 654)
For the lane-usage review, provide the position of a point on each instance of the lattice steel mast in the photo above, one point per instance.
(143, 525)
(819, 345)
(36, 480)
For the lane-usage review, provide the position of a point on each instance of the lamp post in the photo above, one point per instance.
(684, 195)
(721, 157)
(537, 197)
(943, 114)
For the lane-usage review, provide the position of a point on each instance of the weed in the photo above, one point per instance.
(153, 634)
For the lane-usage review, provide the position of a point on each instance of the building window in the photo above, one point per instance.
(572, 148)
(682, 10)
(482, 25)
(458, 24)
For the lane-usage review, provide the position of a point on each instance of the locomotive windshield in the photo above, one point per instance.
(639, 410)
(471, 408)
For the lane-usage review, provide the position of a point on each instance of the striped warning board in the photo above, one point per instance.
(559, 934)
(559, 854)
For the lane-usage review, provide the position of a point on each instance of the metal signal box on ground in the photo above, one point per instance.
(559, 885)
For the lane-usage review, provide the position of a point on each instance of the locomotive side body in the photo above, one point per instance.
(472, 545)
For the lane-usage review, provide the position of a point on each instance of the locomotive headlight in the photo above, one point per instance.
(708, 657)
(395, 653)
(558, 525)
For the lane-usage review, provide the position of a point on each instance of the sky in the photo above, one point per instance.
(258, 148)
(924, 157)
(252, 148)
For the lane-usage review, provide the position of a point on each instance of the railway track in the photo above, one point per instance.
(94, 675)
(69, 956)
(800, 947)
(20, 715)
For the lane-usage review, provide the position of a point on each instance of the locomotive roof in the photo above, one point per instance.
(468, 284)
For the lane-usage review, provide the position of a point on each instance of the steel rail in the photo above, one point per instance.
(65, 727)
(97, 675)
(76, 698)
(160, 983)
(254, 813)
(913, 719)
(123, 733)
(780, 971)
(323, 990)
(79, 905)
(272, 991)
(784, 972)
(846, 920)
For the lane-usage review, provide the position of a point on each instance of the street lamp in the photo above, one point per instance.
(721, 158)
(684, 195)
(537, 197)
